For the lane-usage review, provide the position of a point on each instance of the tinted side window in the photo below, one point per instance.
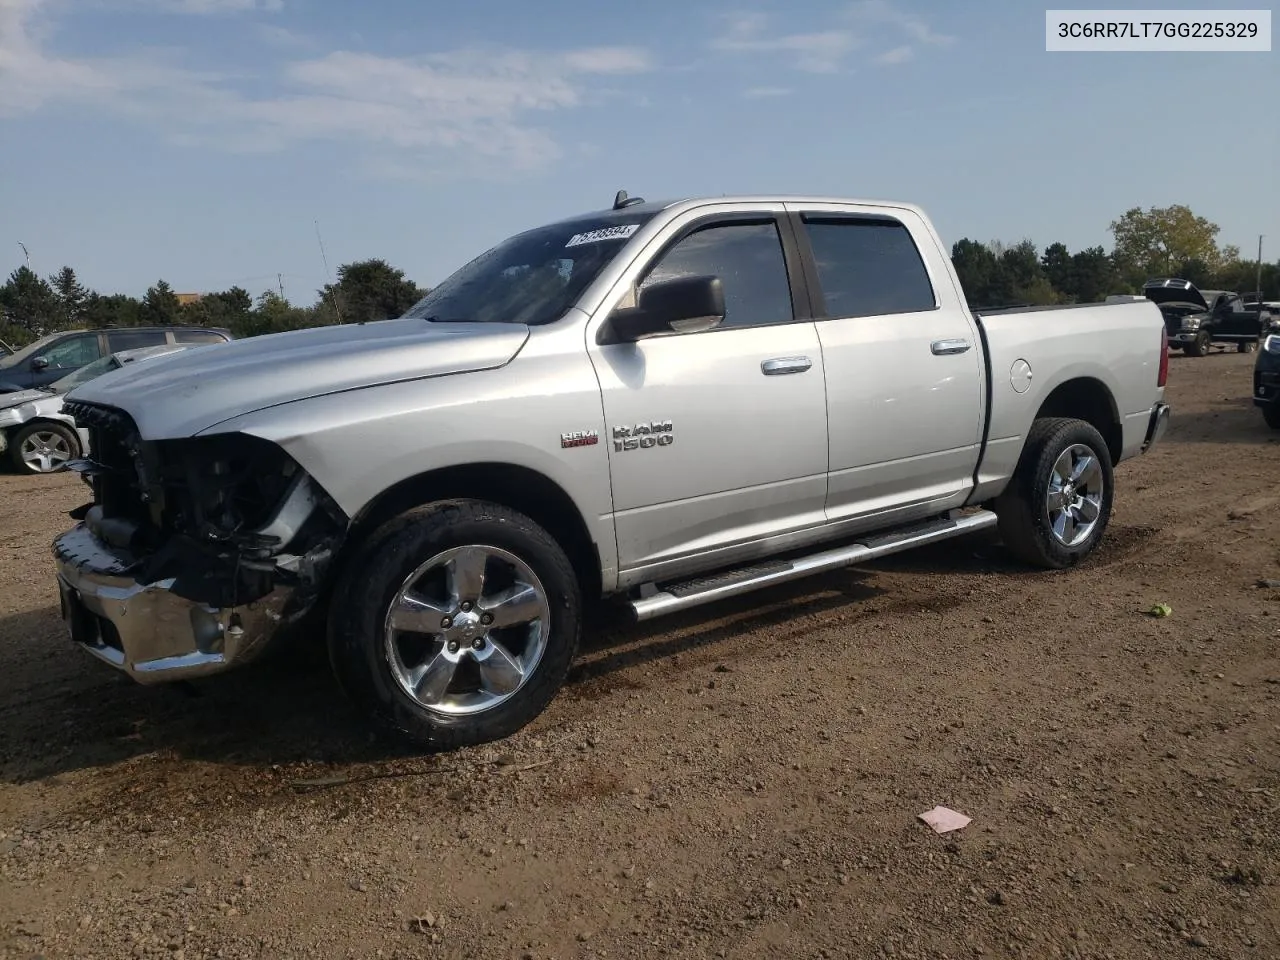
(198, 336)
(868, 267)
(748, 259)
(132, 339)
(73, 352)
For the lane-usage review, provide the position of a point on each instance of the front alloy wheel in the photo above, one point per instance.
(455, 623)
(467, 629)
(44, 448)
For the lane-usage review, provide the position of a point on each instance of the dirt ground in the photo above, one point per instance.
(740, 782)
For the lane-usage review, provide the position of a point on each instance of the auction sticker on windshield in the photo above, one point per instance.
(604, 233)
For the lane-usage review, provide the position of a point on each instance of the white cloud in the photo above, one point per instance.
(896, 55)
(865, 24)
(883, 12)
(817, 52)
(468, 104)
(213, 7)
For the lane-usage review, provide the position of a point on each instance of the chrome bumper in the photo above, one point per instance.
(145, 629)
(1156, 427)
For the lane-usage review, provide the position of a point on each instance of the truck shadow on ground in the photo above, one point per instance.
(62, 711)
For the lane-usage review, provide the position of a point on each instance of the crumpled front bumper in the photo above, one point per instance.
(145, 629)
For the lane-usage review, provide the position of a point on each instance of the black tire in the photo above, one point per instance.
(42, 428)
(369, 584)
(1247, 346)
(1271, 414)
(1199, 347)
(1024, 522)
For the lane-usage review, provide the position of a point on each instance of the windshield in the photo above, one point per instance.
(533, 277)
(87, 372)
(26, 352)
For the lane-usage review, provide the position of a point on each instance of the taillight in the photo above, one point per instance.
(1164, 358)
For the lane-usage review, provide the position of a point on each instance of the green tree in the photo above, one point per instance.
(116, 310)
(230, 309)
(160, 306)
(1025, 277)
(72, 297)
(27, 301)
(1093, 276)
(1156, 242)
(274, 314)
(1058, 267)
(368, 290)
(978, 269)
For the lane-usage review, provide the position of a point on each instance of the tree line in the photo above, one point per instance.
(1157, 242)
(31, 306)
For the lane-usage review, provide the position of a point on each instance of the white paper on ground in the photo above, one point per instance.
(944, 820)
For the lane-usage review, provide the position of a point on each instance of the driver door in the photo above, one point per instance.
(717, 439)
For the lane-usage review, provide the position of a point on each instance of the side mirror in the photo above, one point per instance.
(40, 363)
(683, 305)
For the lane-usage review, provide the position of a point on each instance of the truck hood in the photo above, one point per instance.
(181, 394)
(18, 397)
(1182, 292)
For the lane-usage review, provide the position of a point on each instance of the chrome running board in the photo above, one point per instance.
(683, 595)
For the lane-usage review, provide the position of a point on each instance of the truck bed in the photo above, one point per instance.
(1113, 344)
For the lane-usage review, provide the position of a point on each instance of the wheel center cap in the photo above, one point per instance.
(467, 624)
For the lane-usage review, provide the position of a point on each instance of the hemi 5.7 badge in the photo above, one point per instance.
(580, 438)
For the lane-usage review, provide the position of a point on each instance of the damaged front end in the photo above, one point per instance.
(194, 552)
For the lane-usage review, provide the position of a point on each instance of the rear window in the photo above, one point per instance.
(868, 267)
(198, 336)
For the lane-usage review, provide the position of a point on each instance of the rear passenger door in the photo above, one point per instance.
(902, 360)
(118, 340)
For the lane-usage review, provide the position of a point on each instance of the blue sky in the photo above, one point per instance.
(200, 140)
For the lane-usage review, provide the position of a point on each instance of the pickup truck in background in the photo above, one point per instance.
(1196, 318)
(663, 403)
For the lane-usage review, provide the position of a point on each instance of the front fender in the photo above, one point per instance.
(358, 444)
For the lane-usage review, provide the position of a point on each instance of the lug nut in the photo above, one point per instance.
(487, 619)
(453, 646)
(477, 643)
(466, 606)
(446, 623)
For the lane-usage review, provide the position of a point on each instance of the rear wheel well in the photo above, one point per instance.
(1089, 400)
(535, 495)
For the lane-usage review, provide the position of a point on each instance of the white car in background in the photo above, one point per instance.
(34, 431)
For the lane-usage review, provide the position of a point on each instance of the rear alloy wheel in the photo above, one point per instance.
(1056, 507)
(44, 448)
(1248, 346)
(1199, 347)
(455, 623)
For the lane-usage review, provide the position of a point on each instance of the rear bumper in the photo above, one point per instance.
(145, 629)
(1156, 426)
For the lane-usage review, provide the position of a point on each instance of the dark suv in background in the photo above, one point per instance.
(58, 354)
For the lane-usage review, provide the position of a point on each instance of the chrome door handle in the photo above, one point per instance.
(942, 348)
(781, 365)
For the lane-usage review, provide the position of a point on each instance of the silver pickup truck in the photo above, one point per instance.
(666, 403)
